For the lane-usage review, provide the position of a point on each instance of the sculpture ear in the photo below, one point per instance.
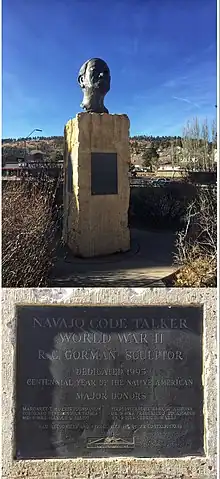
(80, 80)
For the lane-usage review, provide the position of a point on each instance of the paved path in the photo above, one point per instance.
(146, 264)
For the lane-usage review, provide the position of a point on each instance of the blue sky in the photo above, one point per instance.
(161, 54)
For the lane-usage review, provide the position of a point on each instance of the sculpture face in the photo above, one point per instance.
(98, 75)
(94, 79)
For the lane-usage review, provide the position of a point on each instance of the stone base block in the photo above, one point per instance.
(96, 184)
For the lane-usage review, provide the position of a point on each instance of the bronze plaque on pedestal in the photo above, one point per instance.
(104, 174)
(109, 381)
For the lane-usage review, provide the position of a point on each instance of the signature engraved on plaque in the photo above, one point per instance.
(109, 443)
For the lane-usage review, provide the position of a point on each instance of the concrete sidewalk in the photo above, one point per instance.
(146, 264)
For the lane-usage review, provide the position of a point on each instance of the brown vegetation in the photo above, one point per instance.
(197, 243)
(161, 207)
(29, 220)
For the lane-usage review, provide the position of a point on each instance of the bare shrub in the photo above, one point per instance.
(29, 224)
(197, 243)
(162, 207)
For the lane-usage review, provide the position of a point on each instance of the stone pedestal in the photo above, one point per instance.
(96, 184)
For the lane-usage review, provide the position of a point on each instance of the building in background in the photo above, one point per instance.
(34, 156)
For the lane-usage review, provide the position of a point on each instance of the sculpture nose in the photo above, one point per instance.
(101, 74)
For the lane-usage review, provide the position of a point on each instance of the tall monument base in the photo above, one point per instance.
(96, 184)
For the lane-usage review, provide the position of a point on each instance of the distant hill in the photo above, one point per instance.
(52, 147)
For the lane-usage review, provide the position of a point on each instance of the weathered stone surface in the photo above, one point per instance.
(194, 467)
(95, 224)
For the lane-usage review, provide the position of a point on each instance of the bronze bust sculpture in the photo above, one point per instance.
(94, 79)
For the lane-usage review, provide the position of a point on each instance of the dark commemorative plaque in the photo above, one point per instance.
(104, 174)
(109, 381)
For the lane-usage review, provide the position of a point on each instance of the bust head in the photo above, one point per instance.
(94, 79)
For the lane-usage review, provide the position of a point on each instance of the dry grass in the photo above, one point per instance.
(29, 233)
(199, 272)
